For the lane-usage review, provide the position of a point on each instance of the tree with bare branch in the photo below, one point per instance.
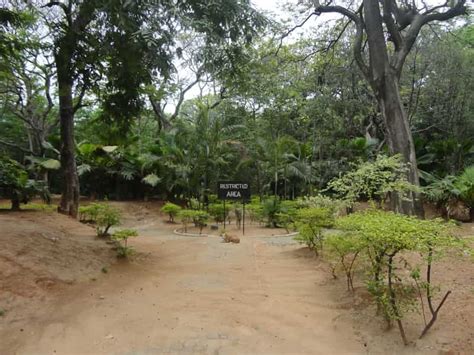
(385, 32)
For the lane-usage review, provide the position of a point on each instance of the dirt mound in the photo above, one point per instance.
(42, 251)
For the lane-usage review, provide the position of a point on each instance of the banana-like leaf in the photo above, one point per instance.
(83, 168)
(151, 179)
(49, 146)
(109, 148)
(51, 164)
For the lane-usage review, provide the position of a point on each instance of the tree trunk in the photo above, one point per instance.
(383, 79)
(70, 191)
(400, 141)
(15, 202)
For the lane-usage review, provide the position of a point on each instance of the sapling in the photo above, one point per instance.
(345, 248)
(384, 237)
(107, 217)
(121, 237)
(171, 209)
(198, 217)
(310, 223)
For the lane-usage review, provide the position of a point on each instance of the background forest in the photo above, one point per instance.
(168, 115)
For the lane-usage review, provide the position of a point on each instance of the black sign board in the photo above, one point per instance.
(233, 190)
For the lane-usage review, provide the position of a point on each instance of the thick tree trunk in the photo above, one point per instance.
(15, 203)
(70, 192)
(400, 141)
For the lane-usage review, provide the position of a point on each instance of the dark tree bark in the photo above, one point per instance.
(70, 192)
(66, 53)
(375, 19)
(15, 202)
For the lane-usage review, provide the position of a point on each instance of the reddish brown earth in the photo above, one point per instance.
(196, 295)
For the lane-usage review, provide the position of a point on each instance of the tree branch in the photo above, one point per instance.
(12, 145)
(291, 30)
(395, 35)
(357, 49)
(418, 22)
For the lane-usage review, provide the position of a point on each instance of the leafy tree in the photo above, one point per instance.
(136, 41)
(387, 55)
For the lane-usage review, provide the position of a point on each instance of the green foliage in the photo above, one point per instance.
(89, 213)
(15, 185)
(270, 210)
(440, 190)
(171, 209)
(287, 214)
(121, 237)
(255, 209)
(310, 223)
(102, 215)
(107, 217)
(383, 238)
(373, 180)
(216, 210)
(465, 185)
(198, 217)
(321, 201)
(343, 251)
(151, 179)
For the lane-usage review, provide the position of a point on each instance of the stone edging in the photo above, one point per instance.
(178, 232)
(183, 234)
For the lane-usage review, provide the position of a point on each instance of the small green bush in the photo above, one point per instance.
(90, 212)
(395, 284)
(102, 215)
(198, 217)
(310, 223)
(440, 190)
(171, 209)
(373, 180)
(15, 185)
(287, 214)
(216, 210)
(270, 209)
(321, 201)
(255, 209)
(121, 237)
(465, 185)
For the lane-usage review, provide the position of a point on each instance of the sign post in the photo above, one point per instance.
(234, 191)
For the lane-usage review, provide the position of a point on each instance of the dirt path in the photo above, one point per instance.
(195, 295)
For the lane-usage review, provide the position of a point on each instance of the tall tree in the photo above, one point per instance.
(129, 43)
(386, 31)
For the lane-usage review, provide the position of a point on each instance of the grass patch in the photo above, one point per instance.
(31, 207)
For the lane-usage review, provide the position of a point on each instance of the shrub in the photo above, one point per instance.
(383, 237)
(321, 201)
(15, 185)
(373, 181)
(270, 209)
(440, 190)
(89, 213)
(255, 209)
(216, 210)
(121, 237)
(343, 250)
(310, 223)
(171, 209)
(465, 185)
(286, 215)
(102, 215)
(198, 217)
